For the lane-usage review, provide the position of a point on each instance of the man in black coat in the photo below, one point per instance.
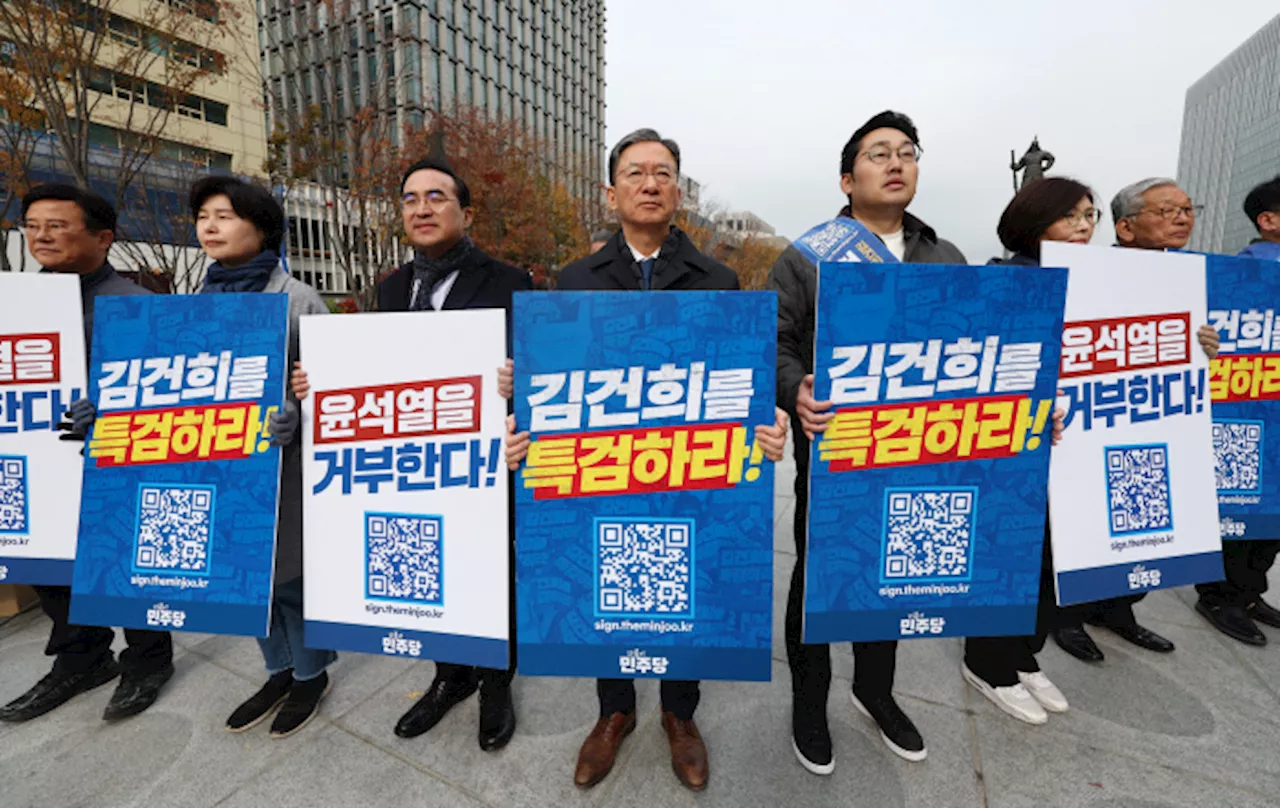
(647, 253)
(449, 272)
(71, 230)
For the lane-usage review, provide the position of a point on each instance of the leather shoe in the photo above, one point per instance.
(1264, 612)
(1077, 642)
(1141, 637)
(600, 749)
(56, 689)
(135, 693)
(497, 717)
(1231, 620)
(688, 752)
(434, 705)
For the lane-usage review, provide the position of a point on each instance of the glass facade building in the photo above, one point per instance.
(1231, 139)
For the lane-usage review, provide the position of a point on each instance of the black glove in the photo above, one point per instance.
(77, 420)
(284, 424)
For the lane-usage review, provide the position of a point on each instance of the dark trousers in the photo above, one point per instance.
(997, 660)
(619, 696)
(874, 663)
(77, 649)
(1245, 564)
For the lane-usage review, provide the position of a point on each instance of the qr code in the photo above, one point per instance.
(403, 558)
(13, 495)
(1237, 453)
(928, 533)
(175, 524)
(1138, 489)
(644, 567)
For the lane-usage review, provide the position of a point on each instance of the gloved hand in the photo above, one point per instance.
(284, 424)
(77, 420)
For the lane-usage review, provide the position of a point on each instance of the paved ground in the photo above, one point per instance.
(1198, 727)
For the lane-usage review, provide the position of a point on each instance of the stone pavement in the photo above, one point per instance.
(1199, 727)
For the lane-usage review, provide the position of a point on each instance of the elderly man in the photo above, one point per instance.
(1233, 605)
(1153, 214)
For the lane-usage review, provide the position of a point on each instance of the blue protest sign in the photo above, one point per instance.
(178, 511)
(644, 530)
(927, 489)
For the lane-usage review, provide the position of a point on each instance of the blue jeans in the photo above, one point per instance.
(282, 648)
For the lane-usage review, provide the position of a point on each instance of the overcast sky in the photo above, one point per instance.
(762, 95)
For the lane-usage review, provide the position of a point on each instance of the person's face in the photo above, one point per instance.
(1163, 223)
(1269, 225)
(223, 235)
(884, 173)
(60, 241)
(433, 216)
(645, 191)
(1076, 226)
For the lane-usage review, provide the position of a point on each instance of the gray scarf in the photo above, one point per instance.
(429, 272)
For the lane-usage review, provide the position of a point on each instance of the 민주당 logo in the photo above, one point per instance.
(162, 615)
(638, 661)
(917, 623)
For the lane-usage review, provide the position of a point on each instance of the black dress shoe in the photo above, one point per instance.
(1231, 620)
(135, 693)
(1077, 642)
(1141, 637)
(434, 704)
(1264, 612)
(56, 689)
(497, 717)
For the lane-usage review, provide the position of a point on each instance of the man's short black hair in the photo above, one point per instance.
(885, 120)
(436, 164)
(1035, 208)
(1263, 199)
(98, 213)
(251, 202)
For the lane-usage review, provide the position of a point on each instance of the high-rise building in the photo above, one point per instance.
(539, 62)
(1231, 139)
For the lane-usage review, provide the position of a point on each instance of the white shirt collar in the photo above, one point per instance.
(639, 256)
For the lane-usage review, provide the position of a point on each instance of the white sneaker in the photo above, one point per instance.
(1014, 700)
(1044, 691)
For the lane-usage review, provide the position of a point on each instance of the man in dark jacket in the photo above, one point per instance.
(1234, 605)
(71, 230)
(449, 272)
(878, 171)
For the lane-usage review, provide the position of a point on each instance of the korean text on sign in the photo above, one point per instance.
(29, 358)
(932, 432)
(913, 370)
(622, 397)
(412, 466)
(167, 381)
(408, 409)
(33, 410)
(220, 432)
(1095, 347)
(1246, 369)
(641, 461)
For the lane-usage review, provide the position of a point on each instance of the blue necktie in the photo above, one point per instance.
(646, 268)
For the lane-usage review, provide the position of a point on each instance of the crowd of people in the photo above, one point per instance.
(240, 225)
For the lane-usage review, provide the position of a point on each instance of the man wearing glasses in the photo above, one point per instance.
(647, 253)
(449, 272)
(879, 167)
(1153, 214)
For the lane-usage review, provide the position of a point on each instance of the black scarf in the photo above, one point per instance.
(251, 276)
(429, 272)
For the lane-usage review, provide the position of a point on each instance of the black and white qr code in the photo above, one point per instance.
(929, 533)
(13, 495)
(1138, 489)
(644, 567)
(175, 524)
(1237, 451)
(403, 558)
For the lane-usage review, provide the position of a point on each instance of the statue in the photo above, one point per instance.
(1033, 164)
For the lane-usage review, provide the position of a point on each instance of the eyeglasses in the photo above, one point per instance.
(1090, 215)
(1190, 211)
(635, 175)
(879, 155)
(432, 199)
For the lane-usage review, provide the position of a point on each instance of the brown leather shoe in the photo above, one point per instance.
(595, 759)
(688, 752)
